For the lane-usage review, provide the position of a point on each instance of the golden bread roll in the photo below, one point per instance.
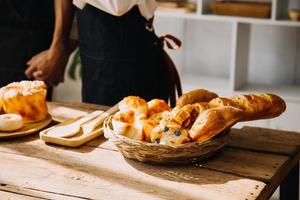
(144, 129)
(169, 133)
(157, 106)
(140, 130)
(155, 109)
(123, 128)
(259, 106)
(125, 116)
(212, 121)
(138, 105)
(195, 96)
(156, 117)
(26, 98)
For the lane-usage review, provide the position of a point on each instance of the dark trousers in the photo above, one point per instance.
(120, 57)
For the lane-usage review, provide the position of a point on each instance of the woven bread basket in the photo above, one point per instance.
(163, 154)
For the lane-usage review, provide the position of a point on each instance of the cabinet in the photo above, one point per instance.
(228, 54)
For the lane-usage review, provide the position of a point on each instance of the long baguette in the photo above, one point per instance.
(254, 106)
(195, 96)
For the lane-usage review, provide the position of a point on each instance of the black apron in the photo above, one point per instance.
(26, 28)
(120, 57)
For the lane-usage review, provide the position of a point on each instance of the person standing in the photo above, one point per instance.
(119, 51)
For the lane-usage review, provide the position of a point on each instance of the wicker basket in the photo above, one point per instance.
(163, 154)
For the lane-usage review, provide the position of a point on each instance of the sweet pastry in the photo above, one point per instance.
(213, 121)
(195, 96)
(136, 104)
(10, 122)
(26, 98)
(170, 133)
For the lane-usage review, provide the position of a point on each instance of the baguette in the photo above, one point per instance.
(195, 96)
(254, 106)
(212, 121)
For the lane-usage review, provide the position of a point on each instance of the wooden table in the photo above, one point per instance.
(252, 166)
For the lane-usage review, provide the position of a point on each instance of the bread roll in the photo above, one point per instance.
(170, 133)
(157, 106)
(212, 121)
(136, 104)
(195, 96)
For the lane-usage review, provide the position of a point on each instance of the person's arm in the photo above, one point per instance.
(50, 64)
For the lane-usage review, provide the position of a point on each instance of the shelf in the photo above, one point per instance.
(196, 16)
(215, 84)
(288, 92)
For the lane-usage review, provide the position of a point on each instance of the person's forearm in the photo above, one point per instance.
(64, 15)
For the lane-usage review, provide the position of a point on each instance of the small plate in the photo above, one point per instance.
(27, 129)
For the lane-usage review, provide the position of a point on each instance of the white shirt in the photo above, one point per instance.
(120, 7)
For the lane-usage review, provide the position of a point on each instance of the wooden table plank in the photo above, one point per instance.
(255, 165)
(14, 196)
(112, 177)
(265, 140)
(26, 193)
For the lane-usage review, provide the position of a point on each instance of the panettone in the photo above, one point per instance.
(26, 98)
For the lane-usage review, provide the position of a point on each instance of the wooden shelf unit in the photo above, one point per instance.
(241, 29)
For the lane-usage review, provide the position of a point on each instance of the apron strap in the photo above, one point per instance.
(175, 84)
(172, 43)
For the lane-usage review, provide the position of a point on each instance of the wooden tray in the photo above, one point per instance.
(242, 9)
(80, 138)
(27, 129)
(75, 141)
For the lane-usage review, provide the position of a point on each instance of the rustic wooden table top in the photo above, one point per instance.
(252, 166)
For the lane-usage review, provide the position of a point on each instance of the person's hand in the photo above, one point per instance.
(49, 66)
